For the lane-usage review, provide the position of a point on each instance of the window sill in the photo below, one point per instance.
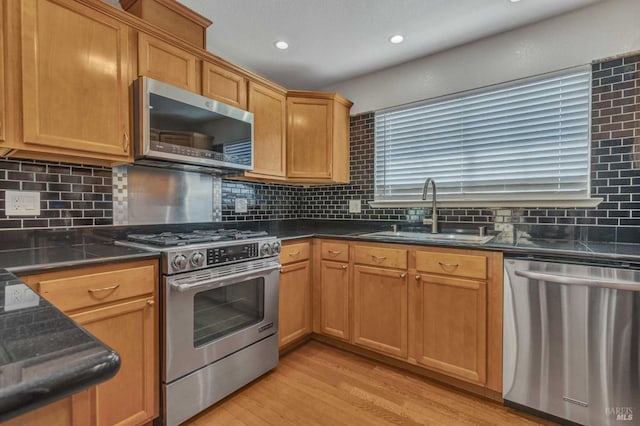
(579, 203)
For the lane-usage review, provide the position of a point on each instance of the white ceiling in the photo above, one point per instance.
(335, 40)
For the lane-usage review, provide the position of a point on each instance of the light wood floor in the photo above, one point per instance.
(320, 385)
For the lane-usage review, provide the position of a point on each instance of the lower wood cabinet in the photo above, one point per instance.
(123, 315)
(450, 326)
(380, 310)
(295, 315)
(334, 299)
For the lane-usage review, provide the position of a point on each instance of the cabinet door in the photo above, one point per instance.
(128, 328)
(223, 85)
(72, 411)
(294, 320)
(334, 299)
(164, 62)
(269, 131)
(309, 138)
(3, 121)
(74, 78)
(450, 326)
(380, 310)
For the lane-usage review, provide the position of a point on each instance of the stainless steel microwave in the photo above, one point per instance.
(180, 129)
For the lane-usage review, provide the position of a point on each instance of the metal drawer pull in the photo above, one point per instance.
(344, 267)
(125, 141)
(378, 257)
(402, 275)
(448, 265)
(418, 277)
(294, 253)
(95, 290)
(334, 252)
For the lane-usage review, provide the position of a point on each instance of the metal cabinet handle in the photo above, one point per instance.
(418, 277)
(125, 141)
(448, 265)
(295, 253)
(402, 275)
(151, 302)
(96, 290)
(378, 257)
(344, 267)
(334, 252)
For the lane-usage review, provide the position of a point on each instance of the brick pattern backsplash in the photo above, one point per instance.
(70, 195)
(264, 201)
(81, 195)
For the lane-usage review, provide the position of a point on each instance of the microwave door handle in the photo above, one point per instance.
(224, 280)
(588, 282)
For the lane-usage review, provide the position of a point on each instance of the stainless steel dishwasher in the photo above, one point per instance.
(571, 340)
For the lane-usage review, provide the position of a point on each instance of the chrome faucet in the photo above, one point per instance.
(434, 215)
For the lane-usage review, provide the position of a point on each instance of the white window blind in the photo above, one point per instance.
(527, 140)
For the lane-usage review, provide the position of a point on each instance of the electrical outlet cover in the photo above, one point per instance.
(355, 206)
(241, 205)
(22, 203)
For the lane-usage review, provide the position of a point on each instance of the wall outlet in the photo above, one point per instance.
(19, 296)
(241, 205)
(355, 206)
(22, 203)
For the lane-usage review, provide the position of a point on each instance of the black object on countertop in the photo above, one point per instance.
(44, 355)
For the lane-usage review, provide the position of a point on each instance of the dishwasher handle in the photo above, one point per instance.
(581, 281)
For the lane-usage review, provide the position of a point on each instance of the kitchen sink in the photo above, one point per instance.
(424, 236)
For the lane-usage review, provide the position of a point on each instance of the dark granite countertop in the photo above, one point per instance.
(35, 251)
(44, 355)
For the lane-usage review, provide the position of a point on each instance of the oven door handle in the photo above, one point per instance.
(224, 280)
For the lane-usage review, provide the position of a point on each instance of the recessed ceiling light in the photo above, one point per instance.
(396, 39)
(282, 45)
(514, 1)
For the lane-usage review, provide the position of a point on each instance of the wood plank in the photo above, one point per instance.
(321, 385)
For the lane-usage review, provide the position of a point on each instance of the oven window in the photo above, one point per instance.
(222, 311)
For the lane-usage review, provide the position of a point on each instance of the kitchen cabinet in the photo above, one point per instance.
(268, 106)
(71, 411)
(117, 304)
(334, 290)
(380, 299)
(168, 63)
(223, 85)
(294, 316)
(74, 75)
(450, 292)
(317, 137)
(3, 60)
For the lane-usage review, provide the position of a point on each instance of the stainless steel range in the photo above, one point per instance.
(220, 314)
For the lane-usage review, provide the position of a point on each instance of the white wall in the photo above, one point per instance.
(602, 30)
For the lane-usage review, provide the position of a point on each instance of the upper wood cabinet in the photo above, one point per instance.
(223, 85)
(317, 137)
(75, 81)
(3, 122)
(269, 131)
(164, 62)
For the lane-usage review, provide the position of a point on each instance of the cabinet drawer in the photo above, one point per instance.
(83, 291)
(294, 252)
(379, 256)
(459, 265)
(335, 251)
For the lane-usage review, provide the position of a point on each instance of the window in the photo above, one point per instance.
(527, 140)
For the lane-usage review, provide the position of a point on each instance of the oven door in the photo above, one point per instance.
(213, 313)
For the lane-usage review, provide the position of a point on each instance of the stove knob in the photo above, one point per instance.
(265, 250)
(276, 247)
(180, 262)
(197, 259)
